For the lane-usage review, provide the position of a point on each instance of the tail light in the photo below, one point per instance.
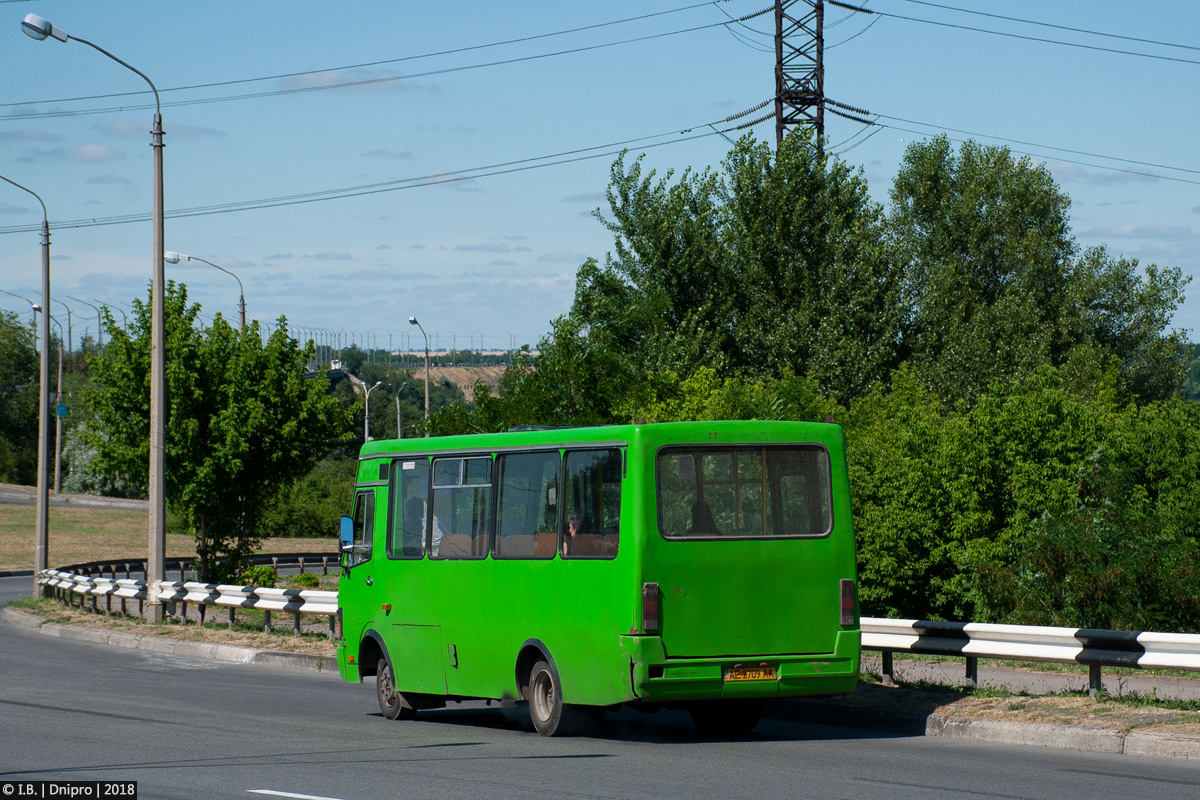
(847, 608)
(649, 607)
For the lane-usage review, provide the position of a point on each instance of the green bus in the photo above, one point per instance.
(705, 565)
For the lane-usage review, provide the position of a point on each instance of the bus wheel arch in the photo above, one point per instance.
(532, 651)
(370, 650)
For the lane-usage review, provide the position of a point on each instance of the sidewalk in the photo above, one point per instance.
(13, 495)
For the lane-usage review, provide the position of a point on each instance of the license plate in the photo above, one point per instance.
(750, 674)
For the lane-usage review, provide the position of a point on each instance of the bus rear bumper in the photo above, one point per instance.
(657, 678)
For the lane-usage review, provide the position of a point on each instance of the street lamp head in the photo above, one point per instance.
(412, 320)
(376, 384)
(37, 28)
(171, 258)
(36, 306)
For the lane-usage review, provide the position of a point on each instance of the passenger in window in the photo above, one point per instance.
(573, 522)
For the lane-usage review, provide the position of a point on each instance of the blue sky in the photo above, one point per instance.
(492, 258)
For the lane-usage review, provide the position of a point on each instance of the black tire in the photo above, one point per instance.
(726, 717)
(391, 703)
(549, 715)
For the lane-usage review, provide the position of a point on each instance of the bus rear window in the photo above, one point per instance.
(743, 492)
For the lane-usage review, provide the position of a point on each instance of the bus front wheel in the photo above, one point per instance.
(391, 702)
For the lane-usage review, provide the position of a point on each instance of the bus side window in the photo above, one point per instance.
(410, 488)
(364, 522)
(462, 498)
(527, 515)
(592, 504)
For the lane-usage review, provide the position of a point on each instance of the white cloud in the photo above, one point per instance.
(359, 80)
(589, 197)
(399, 155)
(109, 179)
(93, 151)
(331, 256)
(562, 257)
(129, 129)
(29, 135)
(1152, 230)
(5, 208)
(1066, 172)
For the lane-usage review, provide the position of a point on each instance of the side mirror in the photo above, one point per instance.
(346, 535)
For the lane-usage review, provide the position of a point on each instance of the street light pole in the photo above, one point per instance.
(70, 341)
(173, 258)
(413, 321)
(38, 28)
(99, 324)
(399, 430)
(57, 418)
(367, 412)
(40, 548)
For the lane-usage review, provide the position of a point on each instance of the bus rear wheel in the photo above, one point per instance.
(391, 702)
(726, 717)
(550, 716)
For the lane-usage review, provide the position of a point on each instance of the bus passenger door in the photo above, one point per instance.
(356, 594)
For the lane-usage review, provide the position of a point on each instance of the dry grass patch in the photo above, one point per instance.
(1070, 708)
(79, 535)
(247, 633)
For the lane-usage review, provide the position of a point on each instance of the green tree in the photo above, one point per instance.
(242, 421)
(18, 401)
(772, 264)
(994, 285)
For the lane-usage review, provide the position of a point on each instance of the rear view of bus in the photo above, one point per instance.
(748, 566)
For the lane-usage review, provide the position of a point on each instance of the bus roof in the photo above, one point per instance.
(657, 434)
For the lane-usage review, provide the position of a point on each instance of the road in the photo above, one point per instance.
(186, 728)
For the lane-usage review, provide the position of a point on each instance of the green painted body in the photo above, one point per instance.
(458, 628)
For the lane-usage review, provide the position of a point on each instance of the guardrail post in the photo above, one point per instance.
(887, 668)
(972, 672)
(1095, 681)
(332, 625)
(231, 613)
(324, 565)
(266, 621)
(202, 609)
(296, 625)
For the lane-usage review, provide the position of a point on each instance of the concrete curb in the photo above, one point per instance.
(158, 644)
(1151, 744)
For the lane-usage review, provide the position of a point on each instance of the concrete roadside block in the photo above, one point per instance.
(1038, 734)
(1154, 744)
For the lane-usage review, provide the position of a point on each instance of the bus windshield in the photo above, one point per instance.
(743, 492)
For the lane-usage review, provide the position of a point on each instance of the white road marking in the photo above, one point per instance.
(291, 794)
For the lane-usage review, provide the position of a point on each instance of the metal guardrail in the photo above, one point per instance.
(87, 581)
(974, 640)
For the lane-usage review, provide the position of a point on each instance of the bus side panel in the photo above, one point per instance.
(569, 606)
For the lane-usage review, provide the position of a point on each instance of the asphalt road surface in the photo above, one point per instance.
(185, 728)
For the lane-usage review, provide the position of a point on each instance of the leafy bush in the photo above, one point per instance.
(306, 580)
(261, 576)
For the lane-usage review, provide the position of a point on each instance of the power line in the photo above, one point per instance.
(1045, 146)
(1057, 27)
(367, 81)
(1077, 45)
(504, 168)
